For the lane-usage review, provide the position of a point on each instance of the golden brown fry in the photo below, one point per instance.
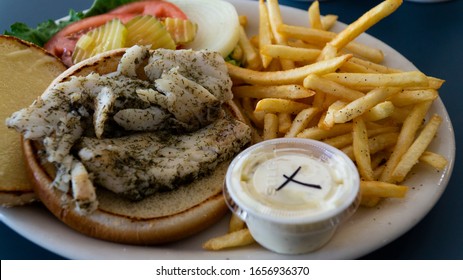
(321, 38)
(373, 67)
(411, 97)
(235, 224)
(279, 105)
(350, 67)
(328, 21)
(382, 189)
(283, 91)
(412, 155)
(265, 32)
(437, 161)
(284, 122)
(292, 76)
(376, 143)
(327, 120)
(234, 239)
(243, 20)
(314, 16)
(248, 110)
(317, 133)
(318, 83)
(435, 83)
(251, 57)
(380, 111)
(364, 22)
(290, 53)
(275, 21)
(360, 106)
(358, 80)
(369, 201)
(340, 141)
(270, 126)
(344, 140)
(361, 149)
(301, 121)
(407, 134)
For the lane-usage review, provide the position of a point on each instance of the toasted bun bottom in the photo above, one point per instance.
(158, 219)
(177, 214)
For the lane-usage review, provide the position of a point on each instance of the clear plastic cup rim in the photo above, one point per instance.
(345, 209)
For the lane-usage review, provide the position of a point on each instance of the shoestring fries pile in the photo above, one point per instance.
(310, 82)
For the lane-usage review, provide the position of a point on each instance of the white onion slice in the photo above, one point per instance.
(217, 24)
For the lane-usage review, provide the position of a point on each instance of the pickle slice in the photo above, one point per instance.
(147, 30)
(182, 30)
(111, 35)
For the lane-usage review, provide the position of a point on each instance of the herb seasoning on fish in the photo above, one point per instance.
(136, 136)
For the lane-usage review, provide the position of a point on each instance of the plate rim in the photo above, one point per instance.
(8, 215)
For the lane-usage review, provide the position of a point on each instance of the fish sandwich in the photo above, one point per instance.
(132, 145)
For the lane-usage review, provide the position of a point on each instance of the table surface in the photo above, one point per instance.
(429, 35)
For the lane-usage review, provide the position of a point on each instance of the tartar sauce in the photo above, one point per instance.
(292, 193)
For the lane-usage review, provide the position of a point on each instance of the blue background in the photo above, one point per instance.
(429, 35)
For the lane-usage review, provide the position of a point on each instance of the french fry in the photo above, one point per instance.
(270, 126)
(344, 140)
(292, 76)
(248, 109)
(375, 80)
(328, 21)
(340, 141)
(376, 144)
(363, 104)
(301, 121)
(283, 91)
(317, 133)
(350, 67)
(411, 97)
(251, 57)
(379, 111)
(235, 223)
(275, 21)
(412, 155)
(364, 22)
(284, 122)
(265, 32)
(318, 83)
(280, 105)
(382, 189)
(314, 15)
(361, 149)
(290, 53)
(407, 134)
(435, 83)
(369, 201)
(437, 161)
(321, 38)
(230, 240)
(373, 67)
(328, 121)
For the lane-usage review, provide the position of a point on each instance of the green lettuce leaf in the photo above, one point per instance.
(102, 6)
(44, 31)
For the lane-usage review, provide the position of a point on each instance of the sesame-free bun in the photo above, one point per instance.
(26, 71)
(161, 218)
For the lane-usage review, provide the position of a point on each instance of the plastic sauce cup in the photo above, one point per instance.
(292, 193)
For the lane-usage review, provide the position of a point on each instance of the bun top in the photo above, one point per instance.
(21, 83)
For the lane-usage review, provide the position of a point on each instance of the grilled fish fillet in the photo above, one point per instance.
(139, 165)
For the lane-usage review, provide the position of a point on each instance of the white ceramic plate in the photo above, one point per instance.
(368, 230)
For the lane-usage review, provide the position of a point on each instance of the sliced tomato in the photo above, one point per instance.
(160, 9)
(62, 44)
